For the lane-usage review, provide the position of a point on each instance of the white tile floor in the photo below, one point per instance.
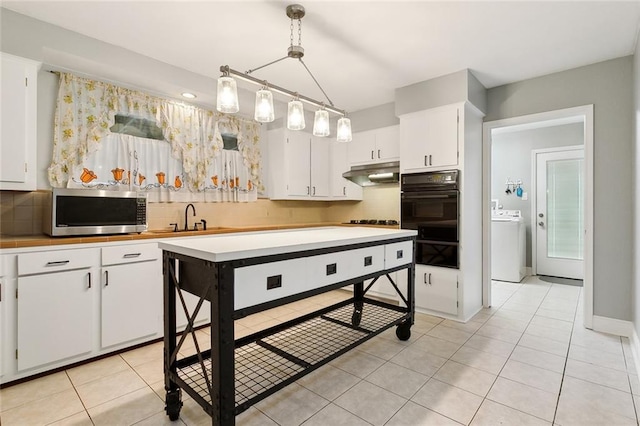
(526, 361)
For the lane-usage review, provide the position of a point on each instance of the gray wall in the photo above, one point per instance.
(511, 158)
(608, 86)
(636, 213)
(459, 86)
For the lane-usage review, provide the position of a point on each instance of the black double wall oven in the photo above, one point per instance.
(430, 205)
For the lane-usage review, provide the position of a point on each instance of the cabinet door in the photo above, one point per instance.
(442, 136)
(362, 147)
(3, 298)
(437, 289)
(388, 143)
(320, 166)
(18, 123)
(429, 139)
(55, 316)
(342, 188)
(298, 151)
(131, 307)
(384, 288)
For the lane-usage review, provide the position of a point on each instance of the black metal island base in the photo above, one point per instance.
(241, 274)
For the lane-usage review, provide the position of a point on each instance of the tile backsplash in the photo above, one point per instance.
(21, 212)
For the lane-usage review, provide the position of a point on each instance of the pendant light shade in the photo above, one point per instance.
(227, 99)
(321, 123)
(344, 130)
(264, 106)
(295, 115)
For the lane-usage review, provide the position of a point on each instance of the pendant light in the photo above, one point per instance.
(227, 99)
(344, 130)
(295, 115)
(321, 123)
(264, 106)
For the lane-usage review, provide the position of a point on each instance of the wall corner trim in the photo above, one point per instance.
(634, 341)
(614, 326)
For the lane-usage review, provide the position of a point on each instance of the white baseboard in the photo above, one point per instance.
(635, 348)
(620, 328)
(613, 326)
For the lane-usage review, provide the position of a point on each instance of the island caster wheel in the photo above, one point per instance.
(356, 318)
(403, 331)
(173, 404)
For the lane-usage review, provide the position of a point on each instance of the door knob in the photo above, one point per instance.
(541, 223)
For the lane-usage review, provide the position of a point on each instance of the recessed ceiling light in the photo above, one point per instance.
(189, 95)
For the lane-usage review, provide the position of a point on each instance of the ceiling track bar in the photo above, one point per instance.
(242, 76)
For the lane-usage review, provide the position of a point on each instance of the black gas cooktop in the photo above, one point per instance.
(373, 222)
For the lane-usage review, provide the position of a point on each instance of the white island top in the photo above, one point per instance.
(221, 248)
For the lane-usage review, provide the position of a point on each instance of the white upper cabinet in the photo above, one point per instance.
(375, 146)
(18, 122)
(342, 188)
(320, 167)
(429, 139)
(299, 166)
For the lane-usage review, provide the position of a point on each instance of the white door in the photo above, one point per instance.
(560, 213)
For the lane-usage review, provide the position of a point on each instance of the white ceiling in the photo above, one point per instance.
(360, 51)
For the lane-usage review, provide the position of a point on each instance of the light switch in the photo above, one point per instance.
(525, 196)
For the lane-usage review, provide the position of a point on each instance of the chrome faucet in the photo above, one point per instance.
(186, 224)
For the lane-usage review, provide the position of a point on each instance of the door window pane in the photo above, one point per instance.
(565, 216)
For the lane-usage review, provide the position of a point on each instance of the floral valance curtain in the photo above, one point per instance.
(190, 164)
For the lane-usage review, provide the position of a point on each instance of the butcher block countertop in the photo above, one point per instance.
(12, 242)
(222, 248)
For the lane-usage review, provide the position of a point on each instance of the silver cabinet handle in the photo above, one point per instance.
(426, 163)
(89, 274)
(429, 278)
(131, 255)
(308, 191)
(430, 162)
(314, 190)
(106, 278)
(372, 154)
(425, 277)
(344, 190)
(378, 153)
(58, 263)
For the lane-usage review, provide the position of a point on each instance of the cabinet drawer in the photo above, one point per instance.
(270, 281)
(398, 254)
(130, 253)
(58, 260)
(332, 268)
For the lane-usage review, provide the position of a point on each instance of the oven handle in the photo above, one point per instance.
(422, 196)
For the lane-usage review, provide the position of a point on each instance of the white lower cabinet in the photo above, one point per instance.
(383, 287)
(437, 289)
(191, 302)
(131, 293)
(55, 306)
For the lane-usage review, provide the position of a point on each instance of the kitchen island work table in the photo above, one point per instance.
(242, 274)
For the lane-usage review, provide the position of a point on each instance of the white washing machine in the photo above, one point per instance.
(508, 246)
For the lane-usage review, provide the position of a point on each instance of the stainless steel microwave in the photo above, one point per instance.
(92, 212)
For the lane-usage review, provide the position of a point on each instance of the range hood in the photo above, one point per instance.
(374, 174)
